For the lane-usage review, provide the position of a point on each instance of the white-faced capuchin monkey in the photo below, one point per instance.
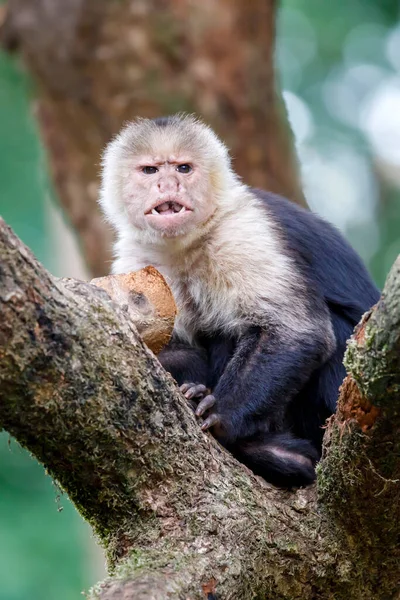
(268, 293)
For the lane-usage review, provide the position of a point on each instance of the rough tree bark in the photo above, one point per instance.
(178, 516)
(99, 63)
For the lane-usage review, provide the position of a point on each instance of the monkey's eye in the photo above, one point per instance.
(149, 170)
(184, 168)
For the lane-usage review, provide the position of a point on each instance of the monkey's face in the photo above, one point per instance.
(170, 194)
(165, 178)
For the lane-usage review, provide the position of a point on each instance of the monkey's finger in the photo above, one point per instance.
(205, 404)
(195, 391)
(185, 387)
(211, 420)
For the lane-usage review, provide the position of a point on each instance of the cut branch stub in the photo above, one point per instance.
(148, 302)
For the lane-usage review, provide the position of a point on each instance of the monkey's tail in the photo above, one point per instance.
(281, 458)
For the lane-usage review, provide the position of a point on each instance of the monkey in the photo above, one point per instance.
(267, 292)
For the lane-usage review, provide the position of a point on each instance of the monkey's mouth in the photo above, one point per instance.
(168, 208)
(169, 216)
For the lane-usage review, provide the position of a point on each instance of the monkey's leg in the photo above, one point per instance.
(265, 373)
(281, 458)
(185, 363)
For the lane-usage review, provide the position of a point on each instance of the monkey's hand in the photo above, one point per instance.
(201, 401)
(212, 420)
(194, 392)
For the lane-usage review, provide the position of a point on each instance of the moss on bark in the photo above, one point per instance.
(359, 478)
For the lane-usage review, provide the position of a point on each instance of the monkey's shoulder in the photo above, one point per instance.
(322, 255)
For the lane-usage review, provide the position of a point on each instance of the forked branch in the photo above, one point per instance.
(179, 517)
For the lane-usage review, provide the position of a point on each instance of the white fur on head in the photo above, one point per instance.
(169, 135)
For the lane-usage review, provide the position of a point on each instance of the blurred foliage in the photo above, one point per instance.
(339, 63)
(22, 176)
(336, 62)
(43, 551)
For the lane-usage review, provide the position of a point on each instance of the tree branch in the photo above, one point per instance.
(179, 517)
(359, 479)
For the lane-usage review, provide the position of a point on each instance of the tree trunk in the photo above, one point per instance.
(180, 517)
(99, 63)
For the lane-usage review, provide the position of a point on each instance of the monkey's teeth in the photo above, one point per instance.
(168, 208)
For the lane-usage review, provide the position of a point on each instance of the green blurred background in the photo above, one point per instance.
(339, 67)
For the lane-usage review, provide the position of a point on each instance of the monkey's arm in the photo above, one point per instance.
(265, 372)
(185, 363)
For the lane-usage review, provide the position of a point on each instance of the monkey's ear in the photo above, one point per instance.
(147, 301)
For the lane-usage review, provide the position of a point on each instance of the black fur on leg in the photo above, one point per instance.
(280, 458)
(184, 362)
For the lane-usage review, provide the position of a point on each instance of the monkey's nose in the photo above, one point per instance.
(168, 185)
